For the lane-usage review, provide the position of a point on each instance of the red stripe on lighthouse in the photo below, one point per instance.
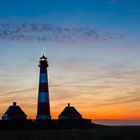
(44, 107)
(43, 88)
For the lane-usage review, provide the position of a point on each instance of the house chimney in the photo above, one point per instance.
(14, 104)
(68, 104)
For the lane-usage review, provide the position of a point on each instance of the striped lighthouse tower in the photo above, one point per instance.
(43, 110)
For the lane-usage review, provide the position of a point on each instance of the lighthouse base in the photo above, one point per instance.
(43, 117)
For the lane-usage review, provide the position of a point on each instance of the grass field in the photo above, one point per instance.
(103, 133)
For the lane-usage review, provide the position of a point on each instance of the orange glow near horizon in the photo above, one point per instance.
(100, 116)
(89, 110)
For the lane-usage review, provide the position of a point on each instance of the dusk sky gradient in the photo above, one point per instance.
(93, 51)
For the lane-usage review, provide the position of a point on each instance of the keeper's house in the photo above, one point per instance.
(70, 113)
(14, 112)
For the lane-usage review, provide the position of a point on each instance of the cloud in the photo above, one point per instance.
(34, 32)
(128, 97)
(17, 91)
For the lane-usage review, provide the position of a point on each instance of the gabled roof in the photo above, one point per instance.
(14, 110)
(70, 112)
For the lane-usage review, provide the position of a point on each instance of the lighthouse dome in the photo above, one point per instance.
(43, 58)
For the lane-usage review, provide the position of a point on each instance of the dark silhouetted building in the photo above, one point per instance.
(43, 108)
(69, 113)
(14, 112)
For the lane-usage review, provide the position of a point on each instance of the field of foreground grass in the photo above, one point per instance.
(102, 133)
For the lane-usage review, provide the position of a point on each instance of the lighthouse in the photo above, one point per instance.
(43, 107)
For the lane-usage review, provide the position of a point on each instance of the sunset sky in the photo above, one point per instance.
(93, 51)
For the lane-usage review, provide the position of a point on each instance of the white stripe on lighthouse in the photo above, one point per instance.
(43, 97)
(43, 78)
(43, 117)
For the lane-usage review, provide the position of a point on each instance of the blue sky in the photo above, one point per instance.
(93, 51)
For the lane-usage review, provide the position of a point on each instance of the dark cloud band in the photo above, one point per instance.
(45, 32)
